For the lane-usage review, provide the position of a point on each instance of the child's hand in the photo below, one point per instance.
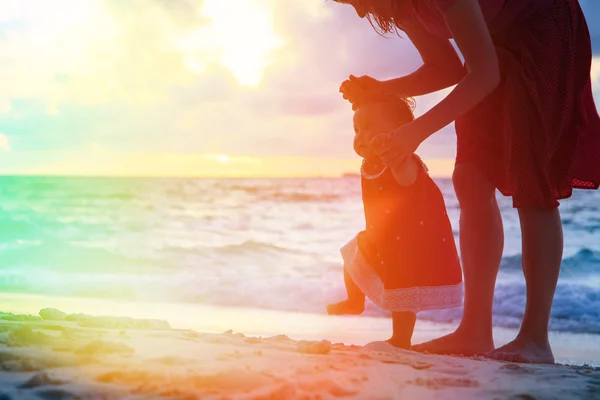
(395, 147)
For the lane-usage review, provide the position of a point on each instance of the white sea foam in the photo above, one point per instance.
(253, 243)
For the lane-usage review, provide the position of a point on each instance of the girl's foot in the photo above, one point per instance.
(346, 307)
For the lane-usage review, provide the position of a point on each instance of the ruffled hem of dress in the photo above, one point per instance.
(412, 299)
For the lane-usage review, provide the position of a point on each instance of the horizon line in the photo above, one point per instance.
(174, 176)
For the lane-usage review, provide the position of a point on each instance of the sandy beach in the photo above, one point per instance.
(55, 355)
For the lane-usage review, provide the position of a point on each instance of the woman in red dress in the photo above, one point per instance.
(526, 125)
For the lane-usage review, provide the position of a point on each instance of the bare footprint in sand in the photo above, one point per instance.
(380, 345)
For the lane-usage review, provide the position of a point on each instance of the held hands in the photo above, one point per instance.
(395, 147)
(353, 89)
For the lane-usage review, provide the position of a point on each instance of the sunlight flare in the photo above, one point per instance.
(240, 37)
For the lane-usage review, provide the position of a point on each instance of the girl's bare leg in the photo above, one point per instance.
(354, 304)
(403, 327)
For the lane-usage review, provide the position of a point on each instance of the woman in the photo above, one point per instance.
(526, 125)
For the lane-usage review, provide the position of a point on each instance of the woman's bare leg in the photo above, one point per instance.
(542, 239)
(481, 244)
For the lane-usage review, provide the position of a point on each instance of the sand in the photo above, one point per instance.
(55, 355)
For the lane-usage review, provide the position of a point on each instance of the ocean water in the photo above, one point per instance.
(253, 243)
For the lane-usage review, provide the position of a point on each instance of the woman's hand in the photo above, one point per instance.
(353, 88)
(395, 147)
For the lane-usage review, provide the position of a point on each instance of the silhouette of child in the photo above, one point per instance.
(405, 260)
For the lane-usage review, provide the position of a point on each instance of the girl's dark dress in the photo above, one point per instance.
(406, 258)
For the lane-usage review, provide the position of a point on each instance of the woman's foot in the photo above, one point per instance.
(346, 307)
(523, 351)
(457, 343)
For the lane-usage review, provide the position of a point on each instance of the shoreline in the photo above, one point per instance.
(569, 348)
(67, 356)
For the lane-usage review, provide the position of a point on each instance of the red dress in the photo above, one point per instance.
(406, 258)
(537, 136)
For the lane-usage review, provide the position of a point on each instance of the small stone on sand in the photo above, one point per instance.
(310, 347)
(52, 314)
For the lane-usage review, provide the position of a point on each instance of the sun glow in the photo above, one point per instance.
(221, 158)
(63, 27)
(56, 16)
(240, 37)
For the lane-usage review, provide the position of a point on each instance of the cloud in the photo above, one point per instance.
(135, 83)
(4, 145)
(163, 76)
(591, 9)
(5, 106)
(595, 76)
(595, 73)
(142, 76)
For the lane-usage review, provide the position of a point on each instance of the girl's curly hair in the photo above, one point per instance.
(401, 107)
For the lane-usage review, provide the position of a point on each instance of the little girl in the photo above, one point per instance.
(405, 260)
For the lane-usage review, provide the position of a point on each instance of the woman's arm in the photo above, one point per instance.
(472, 36)
(441, 67)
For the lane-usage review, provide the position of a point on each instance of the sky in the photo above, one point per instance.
(195, 87)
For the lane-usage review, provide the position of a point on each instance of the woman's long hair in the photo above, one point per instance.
(383, 24)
